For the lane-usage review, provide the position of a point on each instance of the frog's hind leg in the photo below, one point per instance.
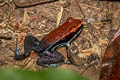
(51, 59)
(28, 47)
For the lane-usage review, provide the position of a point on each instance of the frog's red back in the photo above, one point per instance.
(71, 25)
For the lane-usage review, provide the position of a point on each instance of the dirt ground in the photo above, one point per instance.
(39, 17)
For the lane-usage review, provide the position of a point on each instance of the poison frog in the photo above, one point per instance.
(47, 46)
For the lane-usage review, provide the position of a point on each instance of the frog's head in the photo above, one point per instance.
(74, 24)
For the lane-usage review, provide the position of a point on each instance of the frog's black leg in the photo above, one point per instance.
(68, 48)
(51, 59)
(30, 43)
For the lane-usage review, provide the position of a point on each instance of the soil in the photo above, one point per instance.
(19, 19)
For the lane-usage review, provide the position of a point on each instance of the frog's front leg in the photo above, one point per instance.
(30, 43)
(51, 59)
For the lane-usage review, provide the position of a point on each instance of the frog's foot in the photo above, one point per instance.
(52, 60)
(18, 55)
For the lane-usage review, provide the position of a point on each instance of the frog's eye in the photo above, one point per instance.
(70, 19)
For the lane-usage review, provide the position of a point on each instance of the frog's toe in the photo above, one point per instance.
(18, 55)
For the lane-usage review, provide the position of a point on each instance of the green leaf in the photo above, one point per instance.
(49, 74)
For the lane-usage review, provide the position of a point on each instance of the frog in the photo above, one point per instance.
(46, 48)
